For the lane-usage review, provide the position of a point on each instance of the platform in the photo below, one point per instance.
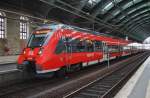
(9, 73)
(7, 68)
(8, 59)
(8, 63)
(139, 84)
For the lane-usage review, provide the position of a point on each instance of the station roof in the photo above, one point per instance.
(116, 17)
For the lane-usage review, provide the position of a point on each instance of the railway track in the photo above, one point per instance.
(108, 85)
(49, 88)
(32, 83)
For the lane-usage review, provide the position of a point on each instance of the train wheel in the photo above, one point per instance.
(76, 67)
(117, 57)
(79, 66)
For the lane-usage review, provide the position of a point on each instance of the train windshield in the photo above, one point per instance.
(41, 36)
(37, 40)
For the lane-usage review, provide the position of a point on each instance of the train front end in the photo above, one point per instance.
(33, 53)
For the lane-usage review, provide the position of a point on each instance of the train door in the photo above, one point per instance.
(68, 55)
(64, 51)
(106, 55)
(105, 51)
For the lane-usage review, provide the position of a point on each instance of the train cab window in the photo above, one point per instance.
(37, 40)
(98, 46)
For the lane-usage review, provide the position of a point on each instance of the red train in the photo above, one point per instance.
(59, 47)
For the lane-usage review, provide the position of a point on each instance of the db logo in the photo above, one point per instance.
(31, 53)
(90, 55)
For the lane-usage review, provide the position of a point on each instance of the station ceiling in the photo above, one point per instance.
(116, 17)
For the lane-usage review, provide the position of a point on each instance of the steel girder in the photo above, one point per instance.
(140, 22)
(98, 7)
(135, 14)
(118, 6)
(120, 17)
(82, 14)
(135, 8)
(132, 20)
(137, 21)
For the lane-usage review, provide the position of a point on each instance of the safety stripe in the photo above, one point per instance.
(45, 71)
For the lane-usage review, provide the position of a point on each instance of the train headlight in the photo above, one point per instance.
(40, 51)
(24, 51)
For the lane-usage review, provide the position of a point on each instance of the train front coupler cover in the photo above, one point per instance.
(27, 66)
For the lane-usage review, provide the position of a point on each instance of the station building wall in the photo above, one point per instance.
(12, 40)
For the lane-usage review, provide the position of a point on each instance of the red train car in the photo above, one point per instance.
(58, 47)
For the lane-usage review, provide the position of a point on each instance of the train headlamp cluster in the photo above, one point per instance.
(24, 52)
(40, 51)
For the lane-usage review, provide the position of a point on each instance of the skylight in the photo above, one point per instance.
(139, 18)
(143, 11)
(108, 6)
(117, 12)
(128, 5)
(135, 15)
(132, 11)
(121, 17)
(93, 1)
(137, 1)
(117, 1)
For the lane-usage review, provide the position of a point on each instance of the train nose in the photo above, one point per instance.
(23, 65)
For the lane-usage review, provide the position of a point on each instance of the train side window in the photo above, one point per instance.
(113, 48)
(60, 47)
(74, 45)
(78, 45)
(126, 48)
(98, 46)
(120, 48)
(89, 46)
(81, 45)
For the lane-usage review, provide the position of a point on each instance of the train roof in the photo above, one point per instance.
(64, 26)
(56, 25)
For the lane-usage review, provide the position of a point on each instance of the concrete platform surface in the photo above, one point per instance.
(7, 68)
(8, 59)
(139, 84)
